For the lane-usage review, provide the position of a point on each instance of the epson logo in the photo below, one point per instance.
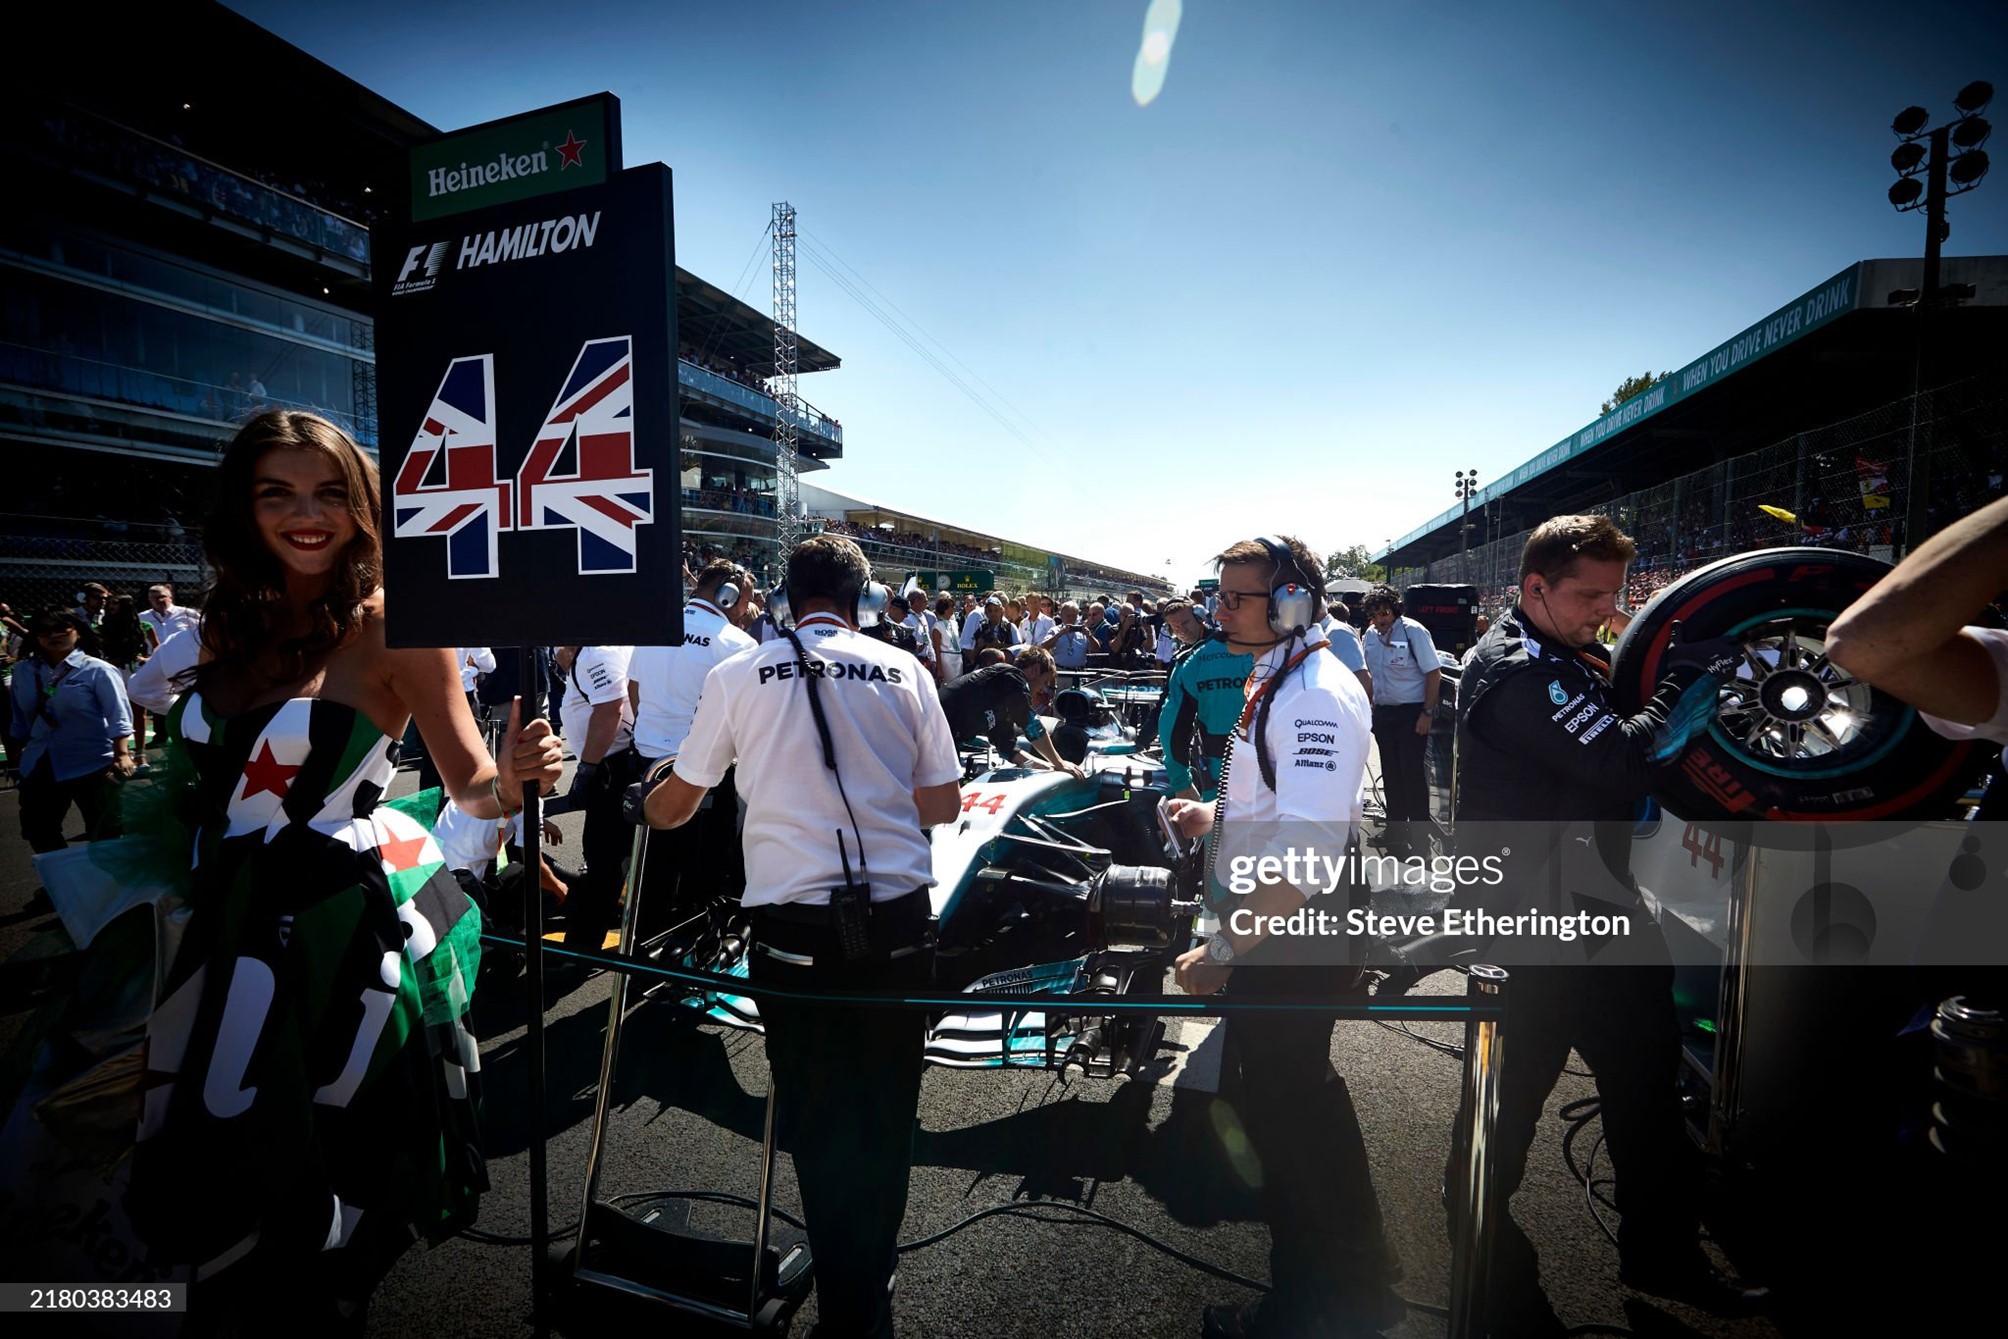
(1313, 737)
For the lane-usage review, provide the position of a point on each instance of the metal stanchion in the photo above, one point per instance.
(616, 1009)
(1471, 1248)
(533, 1041)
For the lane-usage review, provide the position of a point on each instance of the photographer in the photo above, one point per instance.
(1540, 742)
(1329, 1264)
(844, 757)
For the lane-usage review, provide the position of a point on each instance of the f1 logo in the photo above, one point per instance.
(432, 256)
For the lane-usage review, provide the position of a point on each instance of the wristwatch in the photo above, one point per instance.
(1219, 950)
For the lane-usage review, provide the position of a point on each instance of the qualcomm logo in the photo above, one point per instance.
(428, 259)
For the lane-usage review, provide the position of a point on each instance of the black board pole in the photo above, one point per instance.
(533, 942)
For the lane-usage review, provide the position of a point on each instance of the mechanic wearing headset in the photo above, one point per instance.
(664, 685)
(1539, 741)
(844, 757)
(1297, 755)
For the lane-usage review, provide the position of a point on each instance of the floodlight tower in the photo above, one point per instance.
(782, 386)
(1931, 152)
(1467, 484)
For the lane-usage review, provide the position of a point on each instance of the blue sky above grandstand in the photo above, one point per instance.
(1346, 250)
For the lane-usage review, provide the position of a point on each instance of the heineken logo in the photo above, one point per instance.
(424, 263)
(448, 181)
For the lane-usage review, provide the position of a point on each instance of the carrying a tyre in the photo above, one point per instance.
(1795, 737)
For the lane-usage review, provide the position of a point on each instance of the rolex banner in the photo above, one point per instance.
(527, 415)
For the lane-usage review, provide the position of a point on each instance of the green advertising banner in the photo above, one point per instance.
(553, 149)
(974, 582)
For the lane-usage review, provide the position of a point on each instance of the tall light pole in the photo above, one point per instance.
(1930, 151)
(1467, 484)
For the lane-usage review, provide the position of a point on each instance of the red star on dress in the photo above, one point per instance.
(401, 853)
(266, 773)
(568, 152)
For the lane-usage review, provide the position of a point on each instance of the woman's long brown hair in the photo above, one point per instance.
(242, 612)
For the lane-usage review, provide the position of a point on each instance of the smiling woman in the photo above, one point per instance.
(311, 1084)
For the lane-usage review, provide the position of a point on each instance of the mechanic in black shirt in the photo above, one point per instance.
(998, 702)
(1539, 741)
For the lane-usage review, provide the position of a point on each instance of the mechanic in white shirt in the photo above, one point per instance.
(1295, 768)
(475, 661)
(599, 729)
(844, 757)
(702, 859)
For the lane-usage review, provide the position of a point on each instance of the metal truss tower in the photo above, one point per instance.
(782, 386)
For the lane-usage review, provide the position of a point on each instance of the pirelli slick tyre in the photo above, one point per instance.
(1795, 737)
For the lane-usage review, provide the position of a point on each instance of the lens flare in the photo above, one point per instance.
(1153, 58)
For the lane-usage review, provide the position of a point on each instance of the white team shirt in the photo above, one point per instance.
(176, 619)
(669, 679)
(599, 676)
(470, 843)
(152, 684)
(1320, 728)
(475, 661)
(890, 736)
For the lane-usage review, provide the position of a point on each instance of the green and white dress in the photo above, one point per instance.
(310, 1079)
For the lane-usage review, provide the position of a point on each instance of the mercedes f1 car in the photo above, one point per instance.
(1046, 883)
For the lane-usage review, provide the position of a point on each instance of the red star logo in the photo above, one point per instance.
(568, 152)
(265, 773)
(401, 853)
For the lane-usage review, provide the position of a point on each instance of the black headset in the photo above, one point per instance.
(1293, 605)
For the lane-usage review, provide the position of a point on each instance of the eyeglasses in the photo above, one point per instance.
(1231, 599)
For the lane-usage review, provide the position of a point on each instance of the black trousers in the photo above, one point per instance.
(846, 1087)
(686, 869)
(1327, 1256)
(1404, 778)
(1621, 1019)
(594, 905)
(45, 805)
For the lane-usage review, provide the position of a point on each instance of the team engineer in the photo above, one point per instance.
(1297, 758)
(999, 701)
(1538, 740)
(844, 757)
(664, 685)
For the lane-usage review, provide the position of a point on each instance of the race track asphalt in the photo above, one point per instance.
(1157, 1153)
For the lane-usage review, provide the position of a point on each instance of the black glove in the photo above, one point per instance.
(588, 779)
(1716, 656)
(633, 800)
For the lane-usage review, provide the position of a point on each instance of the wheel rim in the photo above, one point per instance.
(1789, 704)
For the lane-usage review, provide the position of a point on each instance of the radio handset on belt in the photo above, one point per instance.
(850, 905)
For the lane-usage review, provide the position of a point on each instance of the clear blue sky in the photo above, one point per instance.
(1348, 249)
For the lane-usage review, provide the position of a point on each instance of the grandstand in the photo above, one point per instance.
(898, 540)
(184, 250)
(1810, 411)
